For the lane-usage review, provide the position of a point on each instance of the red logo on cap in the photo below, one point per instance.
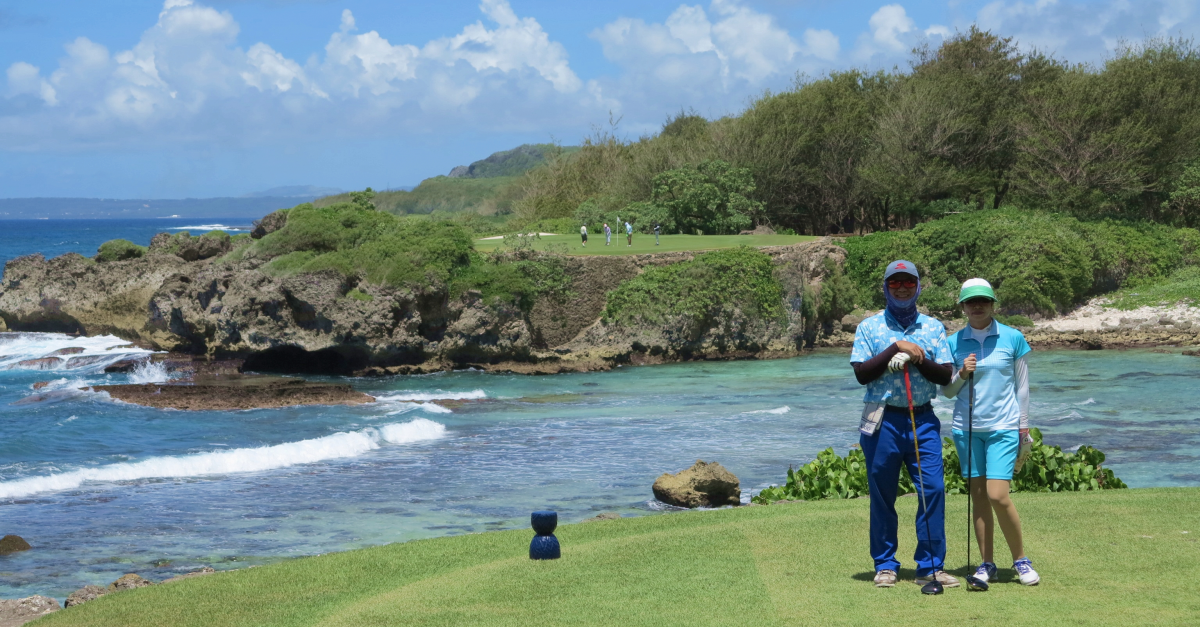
(901, 266)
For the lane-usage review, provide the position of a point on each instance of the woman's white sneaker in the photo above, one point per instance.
(1025, 571)
(985, 573)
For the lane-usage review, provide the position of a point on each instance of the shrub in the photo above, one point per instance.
(698, 289)
(1038, 262)
(119, 250)
(1047, 469)
(372, 245)
(713, 197)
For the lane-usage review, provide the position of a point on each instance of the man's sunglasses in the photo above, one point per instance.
(910, 283)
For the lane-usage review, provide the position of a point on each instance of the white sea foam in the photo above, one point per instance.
(433, 396)
(1090, 401)
(777, 411)
(338, 445)
(208, 227)
(97, 351)
(149, 372)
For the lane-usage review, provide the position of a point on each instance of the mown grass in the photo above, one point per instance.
(1123, 557)
(644, 244)
(1182, 287)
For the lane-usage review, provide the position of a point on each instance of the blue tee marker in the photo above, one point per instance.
(544, 545)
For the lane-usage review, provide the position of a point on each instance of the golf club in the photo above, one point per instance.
(973, 582)
(934, 586)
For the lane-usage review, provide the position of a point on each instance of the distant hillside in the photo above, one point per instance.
(90, 208)
(485, 187)
(295, 191)
(509, 162)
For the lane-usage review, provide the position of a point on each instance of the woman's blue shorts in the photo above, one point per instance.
(993, 453)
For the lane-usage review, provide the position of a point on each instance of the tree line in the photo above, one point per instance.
(975, 124)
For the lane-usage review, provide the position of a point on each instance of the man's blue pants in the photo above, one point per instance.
(886, 451)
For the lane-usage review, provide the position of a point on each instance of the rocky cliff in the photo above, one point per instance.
(187, 299)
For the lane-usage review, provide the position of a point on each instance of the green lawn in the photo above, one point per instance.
(643, 244)
(1122, 557)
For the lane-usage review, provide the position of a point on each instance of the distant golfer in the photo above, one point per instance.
(657, 230)
(583, 234)
(996, 354)
(607, 234)
(883, 345)
(629, 232)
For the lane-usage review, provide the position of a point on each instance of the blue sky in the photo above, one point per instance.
(198, 98)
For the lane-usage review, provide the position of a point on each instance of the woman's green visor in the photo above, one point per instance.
(976, 288)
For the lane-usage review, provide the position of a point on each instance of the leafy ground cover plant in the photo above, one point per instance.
(1048, 469)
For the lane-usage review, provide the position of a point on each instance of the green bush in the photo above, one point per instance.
(119, 250)
(699, 289)
(372, 245)
(1038, 262)
(1047, 469)
(713, 197)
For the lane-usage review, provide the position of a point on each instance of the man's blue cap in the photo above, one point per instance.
(900, 267)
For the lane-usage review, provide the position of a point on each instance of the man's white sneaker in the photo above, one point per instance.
(1025, 571)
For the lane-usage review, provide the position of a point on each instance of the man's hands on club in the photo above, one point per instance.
(898, 362)
(915, 353)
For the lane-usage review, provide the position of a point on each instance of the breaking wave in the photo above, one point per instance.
(241, 460)
(433, 396)
(778, 410)
(59, 351)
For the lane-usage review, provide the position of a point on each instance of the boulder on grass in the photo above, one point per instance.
(12, 544)
(21, 611)
(129, 582)
(702, 485)
(85, 594)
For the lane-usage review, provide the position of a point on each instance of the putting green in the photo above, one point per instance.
(644, 244)
(1123, 557)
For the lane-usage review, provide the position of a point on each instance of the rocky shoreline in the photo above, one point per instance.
(234, 392)
(201, 305)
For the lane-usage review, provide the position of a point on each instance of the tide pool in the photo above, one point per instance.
(101, 488)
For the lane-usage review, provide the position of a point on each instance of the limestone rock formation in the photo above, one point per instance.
(12, 544)
(311, 323)
(20, 611)
(129, 582)
(702, 485)
(269, 224)
(85, 594)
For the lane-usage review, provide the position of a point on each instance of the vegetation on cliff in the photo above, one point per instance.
(380, 248)
(1038, 262)
(118, 250)
(698, 290)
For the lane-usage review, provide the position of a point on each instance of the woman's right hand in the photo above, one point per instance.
(915, 353)
(968, 366)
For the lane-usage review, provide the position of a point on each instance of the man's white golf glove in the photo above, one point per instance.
(898, 362)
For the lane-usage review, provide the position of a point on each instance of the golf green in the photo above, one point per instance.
(1123, 557)
(644, 244)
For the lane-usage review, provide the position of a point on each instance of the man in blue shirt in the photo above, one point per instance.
(884, 345)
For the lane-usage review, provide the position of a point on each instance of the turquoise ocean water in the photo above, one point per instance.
(102, 488)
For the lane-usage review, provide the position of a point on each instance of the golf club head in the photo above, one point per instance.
(975, 583)
(933, 587)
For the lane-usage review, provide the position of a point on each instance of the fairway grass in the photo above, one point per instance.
(1118, 557)
(644, 244)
